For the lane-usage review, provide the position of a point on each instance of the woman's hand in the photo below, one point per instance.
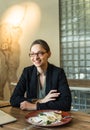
(25, 105)
(52, 95)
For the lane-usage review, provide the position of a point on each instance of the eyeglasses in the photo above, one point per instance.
(40, 54)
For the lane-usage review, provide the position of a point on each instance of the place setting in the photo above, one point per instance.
(48, 118)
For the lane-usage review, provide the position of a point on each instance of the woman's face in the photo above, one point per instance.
(39, 56)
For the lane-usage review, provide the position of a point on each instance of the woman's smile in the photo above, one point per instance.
(39, 56)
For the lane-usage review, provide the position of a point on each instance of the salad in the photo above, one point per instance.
(46, 118)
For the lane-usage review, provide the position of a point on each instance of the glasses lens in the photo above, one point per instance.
(41, 53)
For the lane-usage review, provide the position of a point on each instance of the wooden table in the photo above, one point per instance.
(80, 121)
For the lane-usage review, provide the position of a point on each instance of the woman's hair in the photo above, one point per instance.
(42, 43)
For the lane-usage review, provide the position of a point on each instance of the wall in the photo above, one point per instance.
(48, 29)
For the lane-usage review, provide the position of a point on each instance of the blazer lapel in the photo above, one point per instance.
(48, 79)
(33, 84)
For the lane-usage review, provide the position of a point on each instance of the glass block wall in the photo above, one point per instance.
(75, 38)
(80, 100)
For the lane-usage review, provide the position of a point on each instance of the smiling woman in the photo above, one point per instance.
(45, 84)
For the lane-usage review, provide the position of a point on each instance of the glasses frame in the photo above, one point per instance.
(39, 54)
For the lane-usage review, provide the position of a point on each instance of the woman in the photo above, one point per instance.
(42, 85)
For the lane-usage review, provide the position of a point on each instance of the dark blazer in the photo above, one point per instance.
(55, 79)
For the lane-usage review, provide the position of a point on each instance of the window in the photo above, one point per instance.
(81, 100)
(75, 40)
